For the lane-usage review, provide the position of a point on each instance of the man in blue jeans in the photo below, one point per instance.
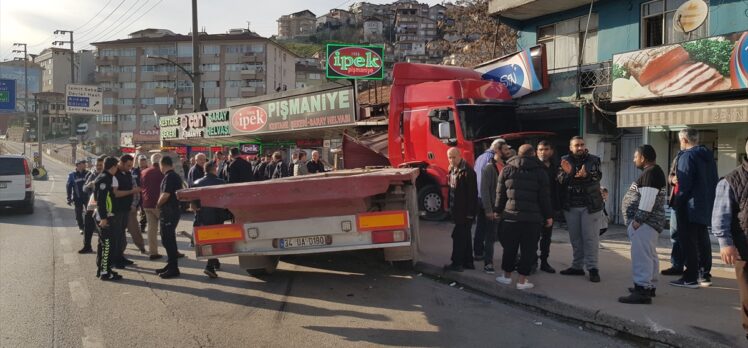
(482, 224)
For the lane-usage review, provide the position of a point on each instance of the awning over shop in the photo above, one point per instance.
(726, 111)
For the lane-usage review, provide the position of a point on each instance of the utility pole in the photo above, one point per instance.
(39, 132)
(72, 67)
(25, 89)
(195, 59)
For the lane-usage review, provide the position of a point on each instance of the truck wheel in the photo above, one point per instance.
(430, 203)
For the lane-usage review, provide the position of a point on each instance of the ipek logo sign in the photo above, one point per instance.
(355, 62)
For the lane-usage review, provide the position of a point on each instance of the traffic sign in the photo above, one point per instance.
(7, 95)
(83, 99)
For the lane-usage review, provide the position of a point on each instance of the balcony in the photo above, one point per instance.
(595, 75)
(249, 74)
(107, 60)
(162, 92)
(106, 76)
(526, 9)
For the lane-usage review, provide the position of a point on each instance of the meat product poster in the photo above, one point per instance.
(710, 65)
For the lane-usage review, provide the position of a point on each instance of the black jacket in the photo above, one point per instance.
(239, 171)
(523, 192)
(463, 193)
(552, 171)
(209, 215)
(275, 170)
(315, 167)
(196, 173)
(582, 192)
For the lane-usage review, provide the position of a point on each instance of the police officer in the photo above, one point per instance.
(169, 217)
(207, 215)
(89, 223)
(104, 193)
(75, 193)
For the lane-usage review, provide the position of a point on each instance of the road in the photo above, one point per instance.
(49, 297)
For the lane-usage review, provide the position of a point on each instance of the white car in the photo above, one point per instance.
(16, 185)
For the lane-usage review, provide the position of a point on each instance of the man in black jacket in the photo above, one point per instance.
(276, 168)
(524, 205)
(239, 170)
(196, 172)
(463, 205)
(205, 216)
(545, 155)
(582, 201)
(315, 165)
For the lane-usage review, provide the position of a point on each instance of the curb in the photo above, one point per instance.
(591, 319)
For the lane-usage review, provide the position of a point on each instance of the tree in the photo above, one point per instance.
(472, 36)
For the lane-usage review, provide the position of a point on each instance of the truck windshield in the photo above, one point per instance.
(482, 121)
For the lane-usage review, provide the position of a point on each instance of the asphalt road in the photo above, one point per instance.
(49, 297)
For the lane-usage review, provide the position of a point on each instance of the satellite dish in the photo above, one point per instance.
(690, 16)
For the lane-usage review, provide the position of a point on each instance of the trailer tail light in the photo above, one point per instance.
(379, 237)
(382, 221)
(216, 249)
(27, 173)
(218, 234)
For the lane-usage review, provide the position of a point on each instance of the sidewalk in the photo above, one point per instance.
(707, 317)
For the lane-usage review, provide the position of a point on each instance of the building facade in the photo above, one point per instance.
(592, 56)
(300, 24)
(57, 69)
(139, 78)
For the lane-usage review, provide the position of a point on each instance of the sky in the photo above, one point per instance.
(34, 21)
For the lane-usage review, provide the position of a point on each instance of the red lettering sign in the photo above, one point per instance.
(355, 62)
(249, 119)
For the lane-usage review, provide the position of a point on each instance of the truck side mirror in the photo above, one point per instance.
(445, 131)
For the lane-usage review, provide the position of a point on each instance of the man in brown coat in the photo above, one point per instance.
(463, 205)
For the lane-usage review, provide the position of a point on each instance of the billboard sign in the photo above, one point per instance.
(522, 72)
(7, 95)
(83, 99)
(355, 62)
(310, 108)
(203, 124)
(712, 65)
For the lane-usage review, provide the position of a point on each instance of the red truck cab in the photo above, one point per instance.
(433, 108)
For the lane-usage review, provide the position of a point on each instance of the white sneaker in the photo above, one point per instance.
(524, 286)
(504, 280)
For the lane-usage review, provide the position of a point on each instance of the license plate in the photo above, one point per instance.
(300, 242)
(3, 185)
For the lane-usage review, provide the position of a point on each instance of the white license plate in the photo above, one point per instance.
(300, 242)
(3, 185)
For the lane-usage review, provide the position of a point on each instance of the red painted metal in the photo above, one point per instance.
(317, 195)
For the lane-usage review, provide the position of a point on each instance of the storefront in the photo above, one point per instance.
(306, 119)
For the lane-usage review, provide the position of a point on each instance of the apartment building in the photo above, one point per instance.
(297, 25)
(140, 77)
(413, 30)
(56, 74)
(309, 72)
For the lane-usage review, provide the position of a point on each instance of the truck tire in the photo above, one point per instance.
(28, 208)
(271, 264)
(430, 202)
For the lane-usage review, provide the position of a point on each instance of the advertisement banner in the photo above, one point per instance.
(7, 95)
(357, 62)
(711, 65)
(125, 139)
(83, 99)
(522, 72)
(314, 108)
(203, 124)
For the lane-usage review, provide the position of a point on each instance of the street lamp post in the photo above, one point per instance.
(25, 87)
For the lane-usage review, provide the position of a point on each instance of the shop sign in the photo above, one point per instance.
(128, 150)
(204, 124)
(145, 135)
(357, 62)
(249, 149)
(308, 143)
(203, 149)
(320, 109)
(522, 72)
(181, 150)
(712, 65)
(125, 139)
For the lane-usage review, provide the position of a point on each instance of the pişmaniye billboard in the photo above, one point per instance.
(711, 65)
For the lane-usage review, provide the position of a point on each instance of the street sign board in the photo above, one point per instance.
(7, 95)
(356, 62)
(83, 99)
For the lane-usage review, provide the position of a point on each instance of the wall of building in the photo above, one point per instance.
(283, 72)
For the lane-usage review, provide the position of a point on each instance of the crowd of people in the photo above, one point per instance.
(514, 199)
(114, 197)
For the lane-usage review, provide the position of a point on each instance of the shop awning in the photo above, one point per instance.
(726, 111)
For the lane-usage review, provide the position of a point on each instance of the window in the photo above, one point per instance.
(658, 26)
(184, 86)
(127, 68)
(479, 121)
(184, 50)
(209, 84)
(105, 119)
(164, 100)
(211, 49)
(108, 101)
(185, 100)
(212, 101)
(147, 101)
(127, 52)
(315, 76)
(563, 42)
(125, 101)
(127, 85)
(210, 67)
(234, 83)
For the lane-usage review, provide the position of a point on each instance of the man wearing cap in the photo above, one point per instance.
(730, 226)
(75, 193)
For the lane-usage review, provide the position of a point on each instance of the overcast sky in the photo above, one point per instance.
(34, 21)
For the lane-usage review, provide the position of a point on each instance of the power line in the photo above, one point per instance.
(94, 16)
(103, 20)
(118, 23)
(133, 22)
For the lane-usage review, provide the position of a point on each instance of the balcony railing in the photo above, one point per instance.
(595, 75)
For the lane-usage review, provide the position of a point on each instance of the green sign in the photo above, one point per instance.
(355, 62)
(204, 124)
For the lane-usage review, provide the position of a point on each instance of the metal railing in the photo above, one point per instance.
(595, 75)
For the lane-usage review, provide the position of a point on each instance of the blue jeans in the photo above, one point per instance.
(676, 258)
